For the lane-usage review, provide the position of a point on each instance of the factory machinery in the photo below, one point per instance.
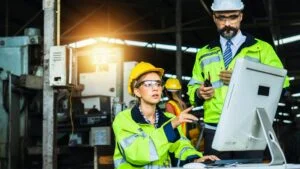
(87, 96)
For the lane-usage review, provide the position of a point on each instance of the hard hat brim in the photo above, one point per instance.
(229, 9)
(173, 90)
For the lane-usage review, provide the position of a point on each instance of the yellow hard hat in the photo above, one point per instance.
(172, 84)
(140, 69)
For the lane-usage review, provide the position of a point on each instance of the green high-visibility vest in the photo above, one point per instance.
(209, 61)
(142, 146)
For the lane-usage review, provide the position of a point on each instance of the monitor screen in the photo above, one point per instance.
(253, 85)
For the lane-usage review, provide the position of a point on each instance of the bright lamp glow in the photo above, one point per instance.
(296, 95)
(287, 121)
(164, 99)
(197, 108)
(166, 47)
(291, 78)
(92, 41)
(100, 55)
(83, 43)
(167, 75)
(135, 43)
(287, 40)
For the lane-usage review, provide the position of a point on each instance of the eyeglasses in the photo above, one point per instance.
(150, 83)
(230, 18)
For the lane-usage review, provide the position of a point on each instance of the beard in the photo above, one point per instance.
(228, 32)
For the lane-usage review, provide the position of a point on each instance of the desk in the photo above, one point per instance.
(252, 166)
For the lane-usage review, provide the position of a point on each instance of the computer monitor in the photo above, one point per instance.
(254, 91)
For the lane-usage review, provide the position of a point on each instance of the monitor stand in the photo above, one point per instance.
(277, 156)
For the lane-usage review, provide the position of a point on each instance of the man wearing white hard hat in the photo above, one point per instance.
(215, 62)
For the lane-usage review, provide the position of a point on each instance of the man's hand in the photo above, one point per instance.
(206, 92)
(184, 117)
(225, 76)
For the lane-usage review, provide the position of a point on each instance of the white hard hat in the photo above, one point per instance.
(227, 5)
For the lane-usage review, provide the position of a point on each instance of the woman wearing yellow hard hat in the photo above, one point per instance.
(175, 104)
(145, 136)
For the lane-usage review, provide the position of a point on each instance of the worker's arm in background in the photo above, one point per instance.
(170, 108)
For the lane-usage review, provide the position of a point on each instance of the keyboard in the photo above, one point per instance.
(232, 162)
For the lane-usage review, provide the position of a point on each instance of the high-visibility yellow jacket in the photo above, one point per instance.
(140, 145)
(177, 113)
(209, 60)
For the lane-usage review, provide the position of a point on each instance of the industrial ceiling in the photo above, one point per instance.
(154, 21)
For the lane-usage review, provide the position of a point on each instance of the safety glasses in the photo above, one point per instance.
(230, 18)
(150, 83)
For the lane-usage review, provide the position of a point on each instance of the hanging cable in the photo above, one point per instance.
(70, 112)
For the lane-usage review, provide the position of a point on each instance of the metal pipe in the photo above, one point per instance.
(178, 40)
(49, 145)
(6, 17)
(58, 23)
(205, 7)
(14, 123)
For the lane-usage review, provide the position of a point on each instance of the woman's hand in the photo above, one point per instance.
(184, 117)
(206, 158)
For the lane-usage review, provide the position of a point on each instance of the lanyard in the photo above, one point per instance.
(148, 121)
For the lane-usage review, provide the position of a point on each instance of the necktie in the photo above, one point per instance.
(228, 53)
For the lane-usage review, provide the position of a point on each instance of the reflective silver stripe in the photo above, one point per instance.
(210, 60)
(118, 162)
(217, 84)
(252, 59)
(194, 81)
(128, 141)
(207, 126)
(184, 138)
(180, 154)
(183, 150)
(152, 167)
(153, 152)
(208, 54)
(142, 132)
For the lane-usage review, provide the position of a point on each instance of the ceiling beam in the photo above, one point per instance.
(205, 8)
(82, 20)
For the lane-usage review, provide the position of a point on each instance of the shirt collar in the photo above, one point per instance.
(235, 40)
(250, 40)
